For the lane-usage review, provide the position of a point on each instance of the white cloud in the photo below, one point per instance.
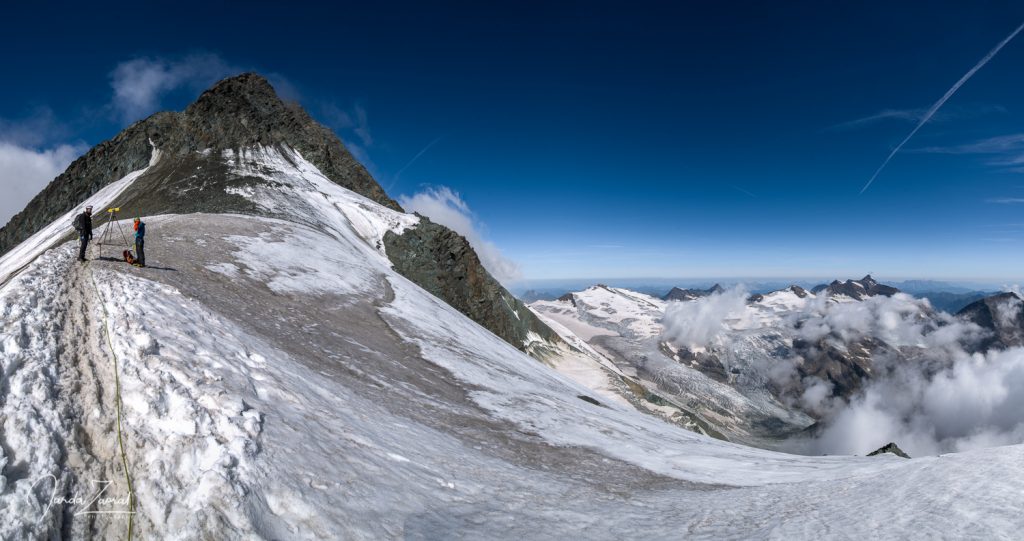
(936, 395)
(1012, 143)
(915, 115)
(33, 151)
(817, 394)
(141, 83)
(936, 398)
(1007, 312)
(25, 171)
(355, 120)
(695, 324)
(36, 130)
(977, 401)
(446, 207)
(1004, 151)
(353, 127)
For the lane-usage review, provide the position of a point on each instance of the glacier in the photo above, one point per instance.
(280, 380)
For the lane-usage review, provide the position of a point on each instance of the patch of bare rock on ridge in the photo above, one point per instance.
(890, 448)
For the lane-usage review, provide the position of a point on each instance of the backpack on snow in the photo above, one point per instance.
(129, 257)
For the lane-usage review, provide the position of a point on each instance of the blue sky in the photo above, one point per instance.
(597, 140)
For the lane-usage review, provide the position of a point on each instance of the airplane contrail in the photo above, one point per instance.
(417, 156)
(949, 93)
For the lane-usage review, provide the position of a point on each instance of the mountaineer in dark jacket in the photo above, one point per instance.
(140, 243)
(83, 225)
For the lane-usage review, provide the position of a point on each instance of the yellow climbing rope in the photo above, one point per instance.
(117, 394)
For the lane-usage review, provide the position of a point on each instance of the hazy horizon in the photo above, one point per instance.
(697, 281)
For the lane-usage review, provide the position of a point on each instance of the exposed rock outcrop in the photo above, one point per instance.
(1002, 315)
(890, 448)
(856, 289)
(679, 294)
(443, 263)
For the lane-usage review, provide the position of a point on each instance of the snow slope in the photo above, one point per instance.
(267, 396)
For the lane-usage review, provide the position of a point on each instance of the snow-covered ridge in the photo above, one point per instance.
(603, 310)
(292, 179)
(269, 397)
(23, 254)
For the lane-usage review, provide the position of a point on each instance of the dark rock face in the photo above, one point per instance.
(846, 367)
(889, 448)
(245, 111)
(568, 297)
(442, 262)
(679, 294)
(1002, 315)
(235, 113)
(708, 363)
(856, 289)
(190, 183)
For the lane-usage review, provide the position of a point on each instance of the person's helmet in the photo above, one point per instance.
(88, 208)
(136, 219)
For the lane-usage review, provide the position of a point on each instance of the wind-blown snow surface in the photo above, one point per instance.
(258, 404)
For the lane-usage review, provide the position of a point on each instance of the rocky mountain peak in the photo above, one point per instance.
(1002, 315)
(680, 294)
(244, 111)
(856, 289)
(868, 282)
(247, 87)
(237, 112)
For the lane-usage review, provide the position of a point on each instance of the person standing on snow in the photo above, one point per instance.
(140, 243)
(83, 225)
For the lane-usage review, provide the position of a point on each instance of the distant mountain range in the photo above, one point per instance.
(856, 289)
(719, 386)
(678, 294)
(948, 297)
